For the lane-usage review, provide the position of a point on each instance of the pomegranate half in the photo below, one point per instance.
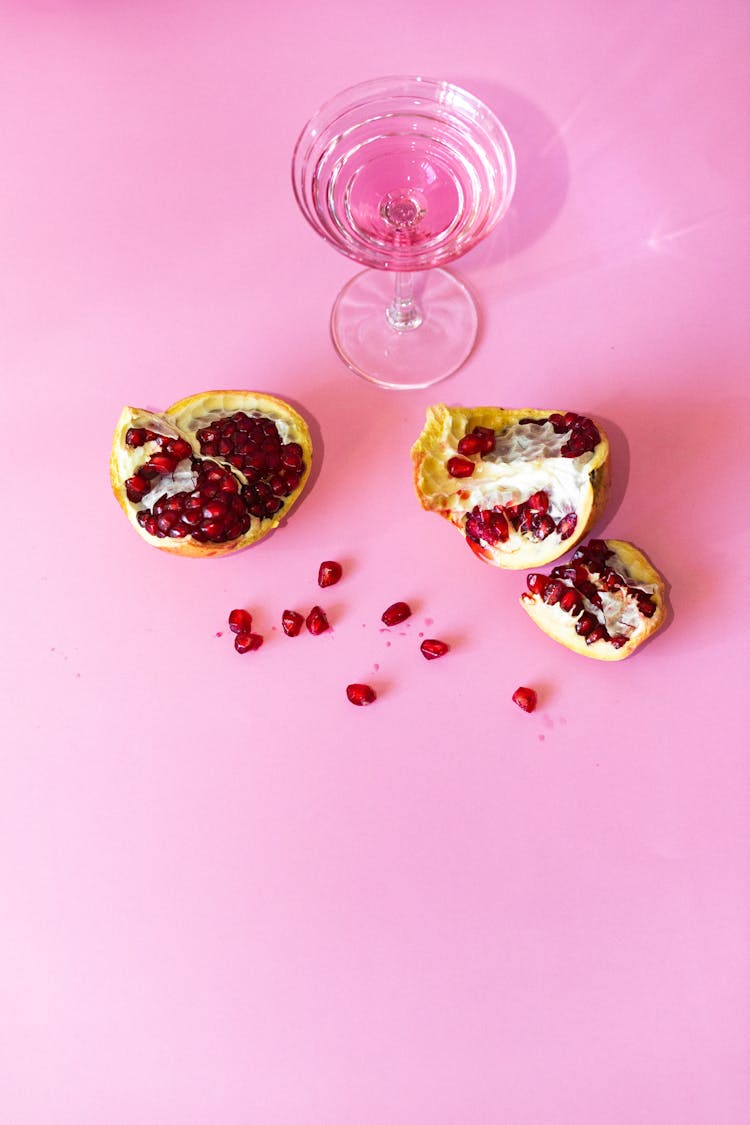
(604, 603)
(522, 486)
(212, 474)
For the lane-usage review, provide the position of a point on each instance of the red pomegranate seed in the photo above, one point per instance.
(329, 573)
(136, 488)
(291, 622)
(240, 621)
(179, 448)
(598, 633)
(567, 525)
(458, 467)
(360, 694)
(553, 591)
(396, 613)
(316, 621)
(135, 437)
(586, 622)
(542, 526)
(432, 649)
(536, 583)
(571, 602)
(538, 502)
(247, 642)
(163, 463)
(525, 697)
(470, 445)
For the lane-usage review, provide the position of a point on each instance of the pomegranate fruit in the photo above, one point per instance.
(522, 486)
(432, 649)
(604, 603)
(212, 474)
(525, 698)
(360, 694)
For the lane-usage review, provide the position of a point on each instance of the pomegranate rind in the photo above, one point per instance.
(183, 419)
(556, 623)
(439, 492)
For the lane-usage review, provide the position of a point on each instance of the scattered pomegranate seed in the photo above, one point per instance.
(247, 642)
(525, 697)
(432, 649)
(329, 573)
(459, 467)
(291, 622)
(240, 621)
(396, 613)
(316, 621)
(360, 694)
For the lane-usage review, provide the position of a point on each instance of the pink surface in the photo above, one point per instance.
(227, 895)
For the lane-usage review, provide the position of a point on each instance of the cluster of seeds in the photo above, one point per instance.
(219, 507)
(212, 512)
(252, 444)
(531, 518)
(580, 583)
(584, 436)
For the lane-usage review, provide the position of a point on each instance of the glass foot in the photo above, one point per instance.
(414, 357)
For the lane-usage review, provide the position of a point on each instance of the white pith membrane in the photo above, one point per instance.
(526, 459)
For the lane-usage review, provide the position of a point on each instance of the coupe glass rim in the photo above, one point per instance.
(395, 85)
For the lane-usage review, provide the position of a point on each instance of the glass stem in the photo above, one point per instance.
(403, 312)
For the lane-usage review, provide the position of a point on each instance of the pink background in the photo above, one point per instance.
(228, 896)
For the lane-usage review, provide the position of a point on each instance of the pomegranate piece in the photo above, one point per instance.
(432, 649)
(609, 600)
(316, 621)
(291, 622)
(240, 621)
(361, 695)
(525, 698)
(541, 511)
(264, 450)
(329, 574)
(396, 613)
(247, 642)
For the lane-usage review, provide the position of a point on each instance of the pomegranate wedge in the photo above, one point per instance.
(531, 482)
(213, 473)
(604, 603)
